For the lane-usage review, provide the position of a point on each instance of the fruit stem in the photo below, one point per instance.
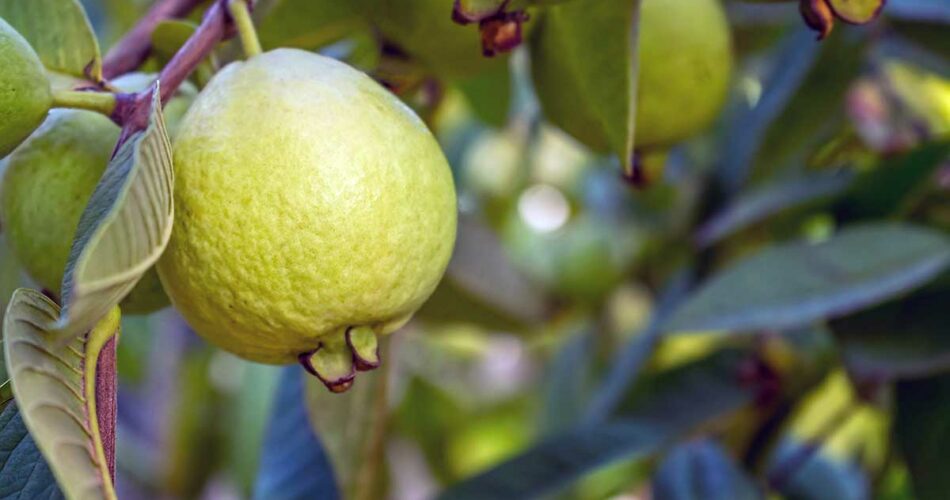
(100, 102)
(132, 50)
(241, 15)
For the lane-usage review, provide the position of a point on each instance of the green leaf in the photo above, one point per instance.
(796, 283)
(709, 389)
(585, 58)
(702, 470)
(54, 387)
(922, 432)
(762, 202)
(23, 472)
(350, 427)
(169, 36)
(59, 32)
(124, 228)
(307, 24)
(820, 477)
(293, 463)
(901, 339)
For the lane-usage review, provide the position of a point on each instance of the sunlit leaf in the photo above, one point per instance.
(123, 230)
(23, 471)
(701, 470)
(820, 477)
(796, 283)
(922, 433)
(60, 33)
(585, 64)
(54, 388)
(294, 464)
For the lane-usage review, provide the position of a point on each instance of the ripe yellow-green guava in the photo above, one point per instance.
(310, 203)
(425, 30)
(48, 182)
(685, 63)
(25, 94)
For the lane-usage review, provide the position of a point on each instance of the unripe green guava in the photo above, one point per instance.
(309, 201)
(50, 178)
(48, 182)
(25, 94)
(685, 63)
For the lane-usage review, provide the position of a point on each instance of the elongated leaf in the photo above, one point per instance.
(59, 32)
(797, 283)
(922, 432)
(701, 470)
(585, 63)
(793, 58)
(763, 202)
(294, 464)
(124, 228)
(690, 398)
(351, 425)
(23, 472)
(307, 24)
(54, 387)
(821, 477)
(906, 338)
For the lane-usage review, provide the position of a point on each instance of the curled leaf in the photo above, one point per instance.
(123, 230)
(54, 387)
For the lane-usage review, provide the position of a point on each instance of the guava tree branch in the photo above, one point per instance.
(132, 50)
(131, 110)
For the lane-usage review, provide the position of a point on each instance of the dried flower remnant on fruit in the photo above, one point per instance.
(818, 16)
(501, 31)
(336, 360)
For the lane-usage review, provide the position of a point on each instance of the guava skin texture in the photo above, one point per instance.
(49, 179)
(25, 94)
(685, 64)
(308, 200)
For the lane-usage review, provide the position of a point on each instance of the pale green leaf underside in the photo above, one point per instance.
(123, 230)
(59, 32)
(52, 393)
(798, 283)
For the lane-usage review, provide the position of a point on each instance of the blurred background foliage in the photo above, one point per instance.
(542, 365)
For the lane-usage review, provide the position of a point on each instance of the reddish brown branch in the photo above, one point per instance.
(106, 401)
(131, 112)
(132, 50)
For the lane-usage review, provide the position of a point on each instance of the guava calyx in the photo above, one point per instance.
(818, 16)
(337, 359)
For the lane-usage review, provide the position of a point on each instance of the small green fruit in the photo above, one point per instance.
(25, 94)
(313, 210)
(47, 184)
(685, 63)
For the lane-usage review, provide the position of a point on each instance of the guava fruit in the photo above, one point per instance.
(685, 63)
(25, 94)
(313, 211)
(50, 178)
(48, 182)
